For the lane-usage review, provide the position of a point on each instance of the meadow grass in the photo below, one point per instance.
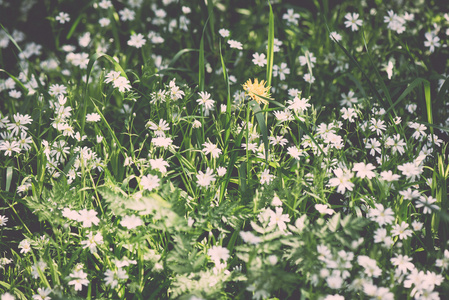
(224, 150)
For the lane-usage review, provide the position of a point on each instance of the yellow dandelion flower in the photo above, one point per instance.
(256, 89)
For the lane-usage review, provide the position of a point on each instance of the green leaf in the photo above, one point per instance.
(334, 222)
(270, 49)
(73, 27)
(9, 173)
(148, 204)
(179, 54)
(407, 91)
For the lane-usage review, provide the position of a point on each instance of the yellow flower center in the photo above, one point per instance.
(257, 89)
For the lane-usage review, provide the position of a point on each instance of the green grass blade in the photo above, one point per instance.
(179, 54)
(263, 126)
(358, 84)
(442, 91)
(228, 103)
(302, 126)
(407, 91)
(74, 26)
(379, 77)
(428, 97)
(17, 81)
(355, 63)
(232, 161)
(90, 66)
(119, 145)
(270, 49)
(210, 10)
(201, 64)
(11, 38)
(433, 126)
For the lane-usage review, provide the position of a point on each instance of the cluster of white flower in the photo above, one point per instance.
(118, 81)
(16, 138)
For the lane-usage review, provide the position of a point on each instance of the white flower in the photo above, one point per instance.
(205, 179)
(348, 99)
(281, 70)
(150, 182)
(159, 164)
(403, 262)
(389, 176)
(218, 253)
(131, 222)
(298, 104)
(309, 78)
(212, 149)
(401, 230)
(206, 102)
(94, 117)
(7, 296)
(249, 237)
(307, 57)
(104, 22)
(112, 277)
(335, 36)
(291, 17)
(15, 94)
(353, 21)
(266, 177)
(259, 59)
(80, 279)
(348, 114)
(62, 17)
(324, 209)
(342, 180)
(92, 242)
(381, 215)
(158, 128)
(409, 194)
(223, 32)
(42, 294)
(432, 41)
(84, 40)
(443, 263)
(19, 123)
(370, 265)
(122, 84)
(294, 152)
(9, 147)
(388, 68)
(364, 170)
(427, 203)
(162, 141)
(105, 4)
(137, 40)
(410, 170)
(3, 220)
(221, 171)
(235, 44)
(88, 217)
(279, 219)
(127, 14)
